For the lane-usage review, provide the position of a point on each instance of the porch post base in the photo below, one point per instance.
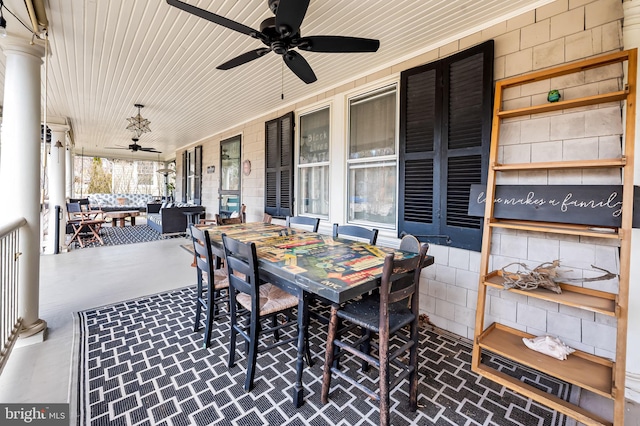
(39, 326)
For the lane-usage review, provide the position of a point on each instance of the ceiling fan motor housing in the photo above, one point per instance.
(273, 5)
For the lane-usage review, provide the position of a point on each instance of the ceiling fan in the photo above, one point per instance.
(135, 147)
(281, 34)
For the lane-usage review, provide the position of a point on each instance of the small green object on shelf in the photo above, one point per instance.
(553, 96)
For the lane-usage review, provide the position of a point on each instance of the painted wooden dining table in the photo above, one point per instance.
(305, 263)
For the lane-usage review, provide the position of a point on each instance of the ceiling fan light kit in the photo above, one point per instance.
(281, 34)
(137, 124)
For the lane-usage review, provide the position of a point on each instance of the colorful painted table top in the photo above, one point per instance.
(336, 269)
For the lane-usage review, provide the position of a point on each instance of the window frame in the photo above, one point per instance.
(370, 92)
(230, 192)
(191, 182)
(298, 166)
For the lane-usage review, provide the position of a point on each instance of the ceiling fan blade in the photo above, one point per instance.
(289, 15)
(149, 150)
(337, 44)
(299, 66)
(216, 19)
(244, 58)
(115, 147)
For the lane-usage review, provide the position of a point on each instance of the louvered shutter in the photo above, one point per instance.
(467, 100)
(445, 131)
(197, 190)
(417, 203)
(185, 171)
(279, 166)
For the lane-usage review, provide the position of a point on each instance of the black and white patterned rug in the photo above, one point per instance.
(140, 363)
(114, 235)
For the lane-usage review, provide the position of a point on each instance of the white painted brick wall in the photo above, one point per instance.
(467, 279)
(551, 35)
(457, 295)
(531, 316)
(564, 326)
(504, 309)
(601, 336)
(543, 250)
(445, 309)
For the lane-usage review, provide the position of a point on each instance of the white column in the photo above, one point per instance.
(631, 39)
(20, 168)
(69, 166)
(56, 172)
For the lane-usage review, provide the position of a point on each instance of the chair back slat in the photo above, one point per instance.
(203, 253)
(400, 278)
(241, 258)
(355, 231)
(312, 222)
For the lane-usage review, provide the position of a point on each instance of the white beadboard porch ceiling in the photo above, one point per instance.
(107, 55)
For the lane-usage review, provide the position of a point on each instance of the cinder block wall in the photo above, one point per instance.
(560, 32)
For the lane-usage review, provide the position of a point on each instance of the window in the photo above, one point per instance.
(445, 130)
(229, 190)
(145, 176)
(313, 164)
(372, 160)
(279, 166)
(191, 176)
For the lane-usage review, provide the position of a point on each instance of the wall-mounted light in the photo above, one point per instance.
(58, 145)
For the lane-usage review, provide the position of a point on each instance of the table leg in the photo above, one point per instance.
(133, 221)
(298, 391)
(121, 224)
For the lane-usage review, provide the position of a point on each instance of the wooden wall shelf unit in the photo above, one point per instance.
(596, 374)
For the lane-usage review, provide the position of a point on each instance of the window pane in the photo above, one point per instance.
(314, 190)
(230, 166)
(372, 193)
(313, 167)
(314, 139)
(372, 127)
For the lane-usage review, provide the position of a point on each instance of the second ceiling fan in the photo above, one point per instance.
(281, 34)
(134, 147)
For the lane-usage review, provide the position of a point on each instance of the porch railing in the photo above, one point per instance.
(10, 322)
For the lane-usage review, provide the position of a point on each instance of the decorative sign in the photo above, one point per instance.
(211, 169)
(595, 205)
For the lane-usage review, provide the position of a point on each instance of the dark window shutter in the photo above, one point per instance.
(271, 165)
(445, 131)
(185, 171)
(197, 191)
(279, 166)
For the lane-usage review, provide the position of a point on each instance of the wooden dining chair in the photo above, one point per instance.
(355, 232)
(261, 302)
(266, 218)
(212, 282)
(304, 222)
(220, 221)
(392, 314)
(207, 222)
(410, 243)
